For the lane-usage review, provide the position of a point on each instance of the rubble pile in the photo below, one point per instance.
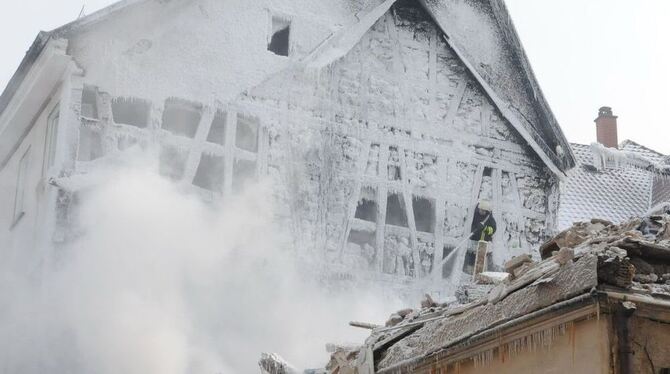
(633, 257)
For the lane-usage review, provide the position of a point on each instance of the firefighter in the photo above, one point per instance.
(483, 225)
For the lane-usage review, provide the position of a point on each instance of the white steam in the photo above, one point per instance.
(163, 283)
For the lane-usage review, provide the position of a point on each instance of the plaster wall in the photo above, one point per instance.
(21, 231)
(583, 348)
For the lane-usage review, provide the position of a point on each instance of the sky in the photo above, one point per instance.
(585, 54)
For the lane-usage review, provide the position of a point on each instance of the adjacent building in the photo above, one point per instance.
(613, 181)
(380, 123)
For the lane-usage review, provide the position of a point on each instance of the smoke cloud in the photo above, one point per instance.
(161, 282)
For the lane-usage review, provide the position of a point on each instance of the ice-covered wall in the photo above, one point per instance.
(402, 144)
(378, 159)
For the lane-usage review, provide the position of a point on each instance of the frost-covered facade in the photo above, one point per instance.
(381, 123)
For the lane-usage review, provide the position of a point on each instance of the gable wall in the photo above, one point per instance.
(401, 100)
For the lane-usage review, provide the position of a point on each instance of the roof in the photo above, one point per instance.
(648, 153)
(611, 193)
(596, 266)
(20, 74)
(495, 58)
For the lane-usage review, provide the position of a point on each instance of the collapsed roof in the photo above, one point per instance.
(596, 258)
(480, 32)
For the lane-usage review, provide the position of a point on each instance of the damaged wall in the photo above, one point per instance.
(407, 143)
(378, 160)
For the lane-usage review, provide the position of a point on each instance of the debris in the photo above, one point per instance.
(516, 262)
(428, 302)
(272, 363)
(615, 270)
(489, 277)
(363, 325)
(393, 320)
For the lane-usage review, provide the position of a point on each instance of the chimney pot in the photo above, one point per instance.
(606, 128)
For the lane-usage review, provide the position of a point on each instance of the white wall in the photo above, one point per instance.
(19, 239)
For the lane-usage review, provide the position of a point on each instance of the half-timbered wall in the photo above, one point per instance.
(377, 160)
(398, 144)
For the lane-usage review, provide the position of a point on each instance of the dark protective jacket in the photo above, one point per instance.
(479, 221)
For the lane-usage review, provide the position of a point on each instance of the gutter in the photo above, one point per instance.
(497, 329)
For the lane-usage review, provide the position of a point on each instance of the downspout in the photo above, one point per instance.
(621, 318)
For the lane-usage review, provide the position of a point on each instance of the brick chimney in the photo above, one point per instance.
(606, 128)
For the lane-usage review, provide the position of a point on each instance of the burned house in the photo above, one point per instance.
(380, 123)
(613, 181)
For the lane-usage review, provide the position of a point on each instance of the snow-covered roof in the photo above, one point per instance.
(610, 184)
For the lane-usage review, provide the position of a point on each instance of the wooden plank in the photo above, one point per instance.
(382, 196)
(195, 150)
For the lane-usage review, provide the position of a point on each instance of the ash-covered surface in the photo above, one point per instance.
(631, 258)
(572, 280)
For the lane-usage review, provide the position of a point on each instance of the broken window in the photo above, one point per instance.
(217, 132)
(90, 144)
(395, 210)
(51, 138)
(362, 243)
(21, 177)
(367, 205)
(424, 214)
(280, 37)
(172, 163)
(131, 111)
(246, 136)
(488, 172)
(181, 117)
(210, 173)
(89, 102)
(244, 171)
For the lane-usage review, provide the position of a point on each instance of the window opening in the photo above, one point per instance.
(280, 38)
(395, 210)
(367, 205)
(217, 132)
(246, 136)
(131, 111)
(90, 144)
(52, 137)
(244, 171)
(89, 102)
(181, 117)
(210, 173)
(21, 176)
(424, 214)
(172, 163)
